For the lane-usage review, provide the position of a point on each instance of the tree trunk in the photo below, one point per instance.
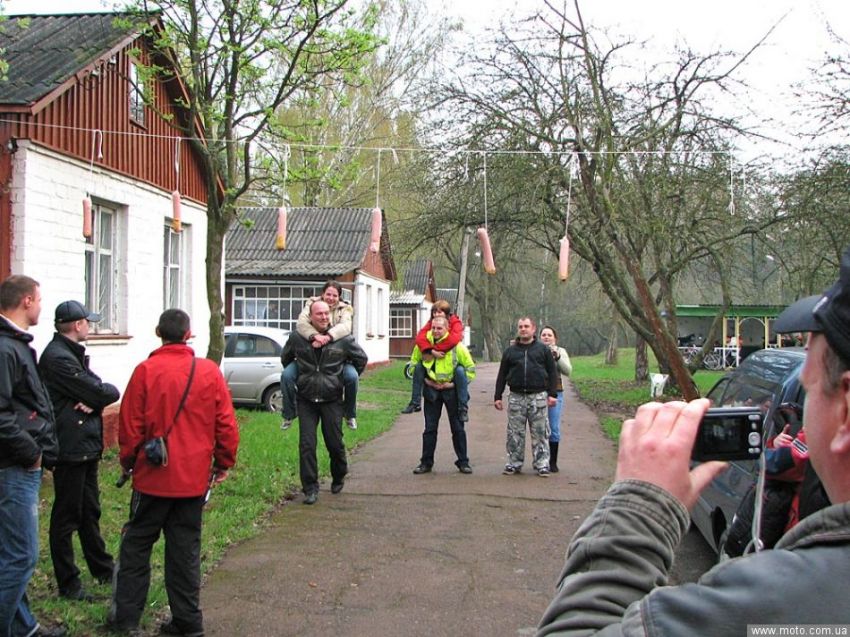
(216, 229)
(491, 338)
(611, 352)
(464, 264)
(641, 360)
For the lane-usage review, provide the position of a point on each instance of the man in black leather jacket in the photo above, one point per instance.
(529, 369)
(27, 443)
(79, 397)
(320, 391)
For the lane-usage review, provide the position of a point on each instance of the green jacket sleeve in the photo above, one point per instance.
(464, 359)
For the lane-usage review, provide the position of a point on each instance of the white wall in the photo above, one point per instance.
(372, 316)
(48, 245)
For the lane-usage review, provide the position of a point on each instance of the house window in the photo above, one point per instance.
(137, 95)
(172, 251)
(270, 305)
(370, 313)
(401, 323)
(382, 328)
(101, 295)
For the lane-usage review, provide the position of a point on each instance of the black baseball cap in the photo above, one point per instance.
(68, 311)
(827, 313)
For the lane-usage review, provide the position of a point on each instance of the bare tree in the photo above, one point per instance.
(645, 162)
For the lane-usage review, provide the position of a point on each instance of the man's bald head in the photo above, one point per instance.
(320, 316)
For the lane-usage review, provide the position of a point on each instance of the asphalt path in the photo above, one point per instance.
(423, 555)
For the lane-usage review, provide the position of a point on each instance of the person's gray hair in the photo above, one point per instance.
(835, 368)
(442, 319)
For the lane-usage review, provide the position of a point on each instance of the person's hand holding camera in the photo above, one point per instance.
(655, 447)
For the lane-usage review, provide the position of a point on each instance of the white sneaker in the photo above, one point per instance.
(351, 422)
(285, 424)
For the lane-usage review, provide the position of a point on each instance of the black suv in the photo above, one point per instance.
(766, 379)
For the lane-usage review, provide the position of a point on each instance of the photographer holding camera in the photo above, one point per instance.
(619, 559)
(178, 436)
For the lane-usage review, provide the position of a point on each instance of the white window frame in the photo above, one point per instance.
(101, 269)
(136, 95)
(253, 303)
(172, 267)
(370, 313)
(382, 324)
(401, 322)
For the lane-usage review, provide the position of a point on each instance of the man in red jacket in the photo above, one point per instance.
(183, 401)
(444, 309)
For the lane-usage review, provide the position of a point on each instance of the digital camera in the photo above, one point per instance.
(729, 433)
(155, 452)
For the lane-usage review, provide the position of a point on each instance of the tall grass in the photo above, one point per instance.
(265, 476)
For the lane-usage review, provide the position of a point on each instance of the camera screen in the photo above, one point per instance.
(729, 433)
(723, 435)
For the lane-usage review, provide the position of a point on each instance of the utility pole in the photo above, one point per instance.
(464, 263)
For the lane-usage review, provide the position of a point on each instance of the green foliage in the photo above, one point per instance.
(266, 475)
(612, 392)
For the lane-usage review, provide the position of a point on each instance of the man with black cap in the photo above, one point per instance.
(79, 397)
(619, 560)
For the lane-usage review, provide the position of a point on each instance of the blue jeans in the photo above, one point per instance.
(555, 419)
(350, 383)
(460, 380)
(18, 547)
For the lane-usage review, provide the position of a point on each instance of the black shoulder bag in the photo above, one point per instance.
(156, 449)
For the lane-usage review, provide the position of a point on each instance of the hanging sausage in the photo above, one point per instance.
(486, 251)
(564, 259)
(175, 211)
(280, 240)
(377, 220)
(87, 218)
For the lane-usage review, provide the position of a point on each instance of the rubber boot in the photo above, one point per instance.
(553, 457)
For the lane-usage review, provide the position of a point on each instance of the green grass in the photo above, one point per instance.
(611, 391)
(266, 474)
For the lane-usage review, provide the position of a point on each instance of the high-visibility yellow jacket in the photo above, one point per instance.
(442, 370)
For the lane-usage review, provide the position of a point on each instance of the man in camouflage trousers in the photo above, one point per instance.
(529, 369)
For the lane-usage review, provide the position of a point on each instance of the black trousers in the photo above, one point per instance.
(309, 415)
(180, 521)
(76, 508)
(434, 401)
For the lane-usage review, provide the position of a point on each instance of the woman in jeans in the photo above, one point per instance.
(550, 338)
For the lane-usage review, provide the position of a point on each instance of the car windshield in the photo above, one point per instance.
(756, 383)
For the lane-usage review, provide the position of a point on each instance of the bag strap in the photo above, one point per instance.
(183, 399)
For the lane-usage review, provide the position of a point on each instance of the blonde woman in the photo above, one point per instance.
(550, 338)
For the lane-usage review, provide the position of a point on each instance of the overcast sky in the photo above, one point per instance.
(798, 43)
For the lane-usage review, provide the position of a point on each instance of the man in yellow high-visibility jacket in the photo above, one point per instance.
(439, 390)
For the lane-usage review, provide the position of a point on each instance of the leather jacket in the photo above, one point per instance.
(26, 416)
(527, 368)
(64, 368)
(320, 368)
(618, 561)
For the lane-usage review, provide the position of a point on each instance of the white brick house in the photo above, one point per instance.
(73, 125)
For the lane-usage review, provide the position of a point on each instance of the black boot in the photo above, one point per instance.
(411, 407)
(553, 457)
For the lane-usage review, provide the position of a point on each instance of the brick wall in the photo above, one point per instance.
(47, 244)
(110, 427)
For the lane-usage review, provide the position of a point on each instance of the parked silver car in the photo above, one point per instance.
(766, 379)
(251, 364)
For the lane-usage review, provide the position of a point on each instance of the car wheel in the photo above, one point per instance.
(273, 399)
